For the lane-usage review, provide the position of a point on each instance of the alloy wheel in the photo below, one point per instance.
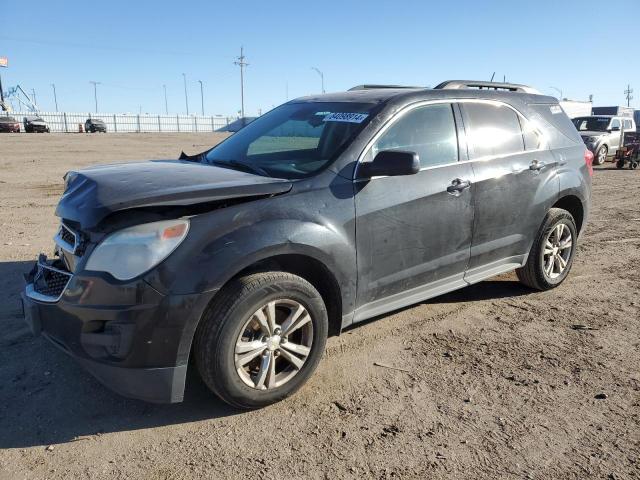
(602, 156)
(557, 251)
(274, 344)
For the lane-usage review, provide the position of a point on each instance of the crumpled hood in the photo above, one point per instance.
(93, 193)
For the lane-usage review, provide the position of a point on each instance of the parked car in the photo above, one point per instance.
(236, 125)
(93, 125)
(9, 125)
(327, 211)
(35, 124)
(602, 134)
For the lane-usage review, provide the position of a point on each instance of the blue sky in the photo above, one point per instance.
(135, 47)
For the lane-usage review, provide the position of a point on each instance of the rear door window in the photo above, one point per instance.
(492, 130)
(627, 125)
(429, 131)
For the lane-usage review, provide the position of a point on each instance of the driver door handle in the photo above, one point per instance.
(458, 185)
(536, 165)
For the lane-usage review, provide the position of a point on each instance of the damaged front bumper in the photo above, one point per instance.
(131, 337)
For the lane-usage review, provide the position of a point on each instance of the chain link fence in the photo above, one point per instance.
(126, 123)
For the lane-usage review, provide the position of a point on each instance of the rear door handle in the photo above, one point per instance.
(536, 166)
(458, 185)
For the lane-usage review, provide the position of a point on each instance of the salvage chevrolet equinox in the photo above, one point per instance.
(326, 211)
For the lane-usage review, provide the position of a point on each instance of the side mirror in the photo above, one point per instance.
(390, 163)
(614, 129)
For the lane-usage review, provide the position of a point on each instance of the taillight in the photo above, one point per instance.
(588, 159)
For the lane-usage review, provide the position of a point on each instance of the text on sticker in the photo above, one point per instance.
(346, 117)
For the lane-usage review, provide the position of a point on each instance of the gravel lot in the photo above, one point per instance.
(498, 382)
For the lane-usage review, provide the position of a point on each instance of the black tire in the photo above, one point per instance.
(601, 155)
(533, 274)
(225, 320)
(633, 165)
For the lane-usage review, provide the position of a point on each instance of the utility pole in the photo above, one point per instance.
(95, 92)
(166, 105)
(242, 64)
(628, 93)
(55, 98)
(33, 96)
(2, 105)
(321, 76)
(186, 98)
(201, 97)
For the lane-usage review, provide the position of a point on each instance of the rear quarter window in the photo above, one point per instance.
(558, 129)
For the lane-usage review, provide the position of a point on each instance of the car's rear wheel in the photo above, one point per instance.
(601, 155)
(261, 339)
(552, 253)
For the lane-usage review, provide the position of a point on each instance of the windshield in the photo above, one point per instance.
(593, 124)
(294, 140)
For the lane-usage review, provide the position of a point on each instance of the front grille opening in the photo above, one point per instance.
(50, 281)
(67, 236)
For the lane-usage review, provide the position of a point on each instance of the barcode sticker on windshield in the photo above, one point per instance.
(346, 117)
(555, 109)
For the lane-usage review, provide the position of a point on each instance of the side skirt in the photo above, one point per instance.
(425, 292)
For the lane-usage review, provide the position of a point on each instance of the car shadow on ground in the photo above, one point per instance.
(46, 398)
(487, 290)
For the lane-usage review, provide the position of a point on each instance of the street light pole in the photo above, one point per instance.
(95, 92)
(558, 90)
(241, 63)
(201, 97)
(55, 98)
(321, 76)
(186, 98)
(166, 105)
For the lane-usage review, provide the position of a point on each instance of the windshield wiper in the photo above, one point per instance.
(241, 166)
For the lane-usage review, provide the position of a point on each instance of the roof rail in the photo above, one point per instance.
(461, 84)
(371, 86)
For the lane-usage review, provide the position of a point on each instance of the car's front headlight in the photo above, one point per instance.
(130, 252)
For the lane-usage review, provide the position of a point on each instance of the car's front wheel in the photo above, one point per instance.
(261, 339)
(601, 155)
(552, 253)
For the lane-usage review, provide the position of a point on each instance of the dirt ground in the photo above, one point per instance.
(498, 383)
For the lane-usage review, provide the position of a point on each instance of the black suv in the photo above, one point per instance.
(324, 212)
(93, 125)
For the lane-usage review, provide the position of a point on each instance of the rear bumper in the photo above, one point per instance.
(133, 339)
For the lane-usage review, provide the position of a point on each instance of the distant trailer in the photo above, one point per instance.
(616, 111)
(575, 108)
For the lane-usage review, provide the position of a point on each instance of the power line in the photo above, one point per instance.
(242, 64)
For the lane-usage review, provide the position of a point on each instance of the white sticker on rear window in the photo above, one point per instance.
(555, 109)
(346, 117)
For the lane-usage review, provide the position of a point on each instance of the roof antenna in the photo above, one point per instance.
(494, 74)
